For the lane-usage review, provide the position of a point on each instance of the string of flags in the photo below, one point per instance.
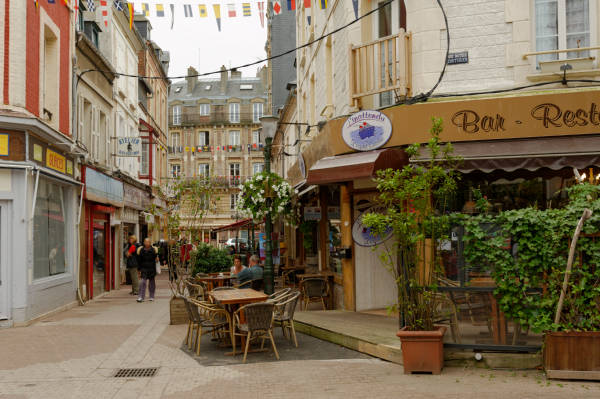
(222, 148)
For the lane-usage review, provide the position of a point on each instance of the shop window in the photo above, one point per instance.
(562, 24)
(49, 230)
(234, 112)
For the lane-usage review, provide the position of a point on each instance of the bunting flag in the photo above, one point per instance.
(277, 7)
(51, 1)
(160, 10)
(91, 5)
(323, 4)
(291, 5)
(261, 13)
(36, 3)
(131, 13)
(246, 9)
(172, 14)
(187, 10)
(355, 4)
(307, 4)
(104, 11)
(118, 5)
(217, 10)
(202, 10)
(231, 10)
(146, 9)
(308, 19)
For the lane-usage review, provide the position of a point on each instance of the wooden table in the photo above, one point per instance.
(327, 275)
(214, 281)
(237, 298)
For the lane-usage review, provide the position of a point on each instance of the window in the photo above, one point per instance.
(50, 70)
(257, 112)
(103, 148)
(175, 140)
(203, 138)
(175, 170)
(203, 170)
(258, 167)
(234, 169)
(234, 112)
(49, 230)
(562, 24)
(245, 87)
(144, 166)
(177, 115)
(204, 109)
(233, 201)
(234, 137)
(255, 138)
(95, 134)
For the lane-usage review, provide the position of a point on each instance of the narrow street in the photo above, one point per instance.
(75, 354)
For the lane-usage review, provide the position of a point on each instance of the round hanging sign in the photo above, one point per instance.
(367, 130)
(363, 236)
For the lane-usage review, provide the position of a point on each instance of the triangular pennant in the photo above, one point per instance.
(306, 3)
(323, 4)
(172, 14)
(291, 5)
(146, 9)
(261, 13)
(160, 10)
(202, 10)
(277, 7)
(355, 4)
(131, 13)
(187, 11)
(217, 10)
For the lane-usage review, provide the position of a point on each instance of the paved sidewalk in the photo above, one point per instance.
(75, 355)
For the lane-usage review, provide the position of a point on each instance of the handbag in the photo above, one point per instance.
(158, 267)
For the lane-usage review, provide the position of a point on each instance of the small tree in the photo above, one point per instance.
(416, 198)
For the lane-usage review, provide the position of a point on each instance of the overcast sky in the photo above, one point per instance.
(197, 41)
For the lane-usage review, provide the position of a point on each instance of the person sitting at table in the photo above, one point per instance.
(237, 265)
(253, 272)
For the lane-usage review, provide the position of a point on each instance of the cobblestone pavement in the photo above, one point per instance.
(75, 354)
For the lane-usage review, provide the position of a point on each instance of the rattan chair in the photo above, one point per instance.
(214, 319)
(194, 321)
(245, 284)
(223, 288)
(195, 290)
(314, 290)
(279, 293)
(259, 324)
(284, 315)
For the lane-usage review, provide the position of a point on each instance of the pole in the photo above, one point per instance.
(268, 272)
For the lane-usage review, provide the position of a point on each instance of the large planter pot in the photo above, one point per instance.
(178, 312)
(572, 355)
(422, 351)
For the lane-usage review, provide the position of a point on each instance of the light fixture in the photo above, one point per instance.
(269, 126)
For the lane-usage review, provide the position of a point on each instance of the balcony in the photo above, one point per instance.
(380, 66)
(212, 119)
(576, 62)
(206, 150)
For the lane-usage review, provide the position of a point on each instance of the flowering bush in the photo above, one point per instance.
(262, 186)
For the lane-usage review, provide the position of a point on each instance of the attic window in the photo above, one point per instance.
(178, 89)
(207, 87)
(245, 87)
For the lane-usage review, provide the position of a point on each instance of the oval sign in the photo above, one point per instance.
(363, 236)
(367, 130)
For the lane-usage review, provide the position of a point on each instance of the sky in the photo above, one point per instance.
(197, 42)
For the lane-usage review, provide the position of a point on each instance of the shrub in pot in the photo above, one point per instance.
(415, 198)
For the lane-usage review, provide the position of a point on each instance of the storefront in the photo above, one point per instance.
(38, 216)
(519, 150)
(104, 198)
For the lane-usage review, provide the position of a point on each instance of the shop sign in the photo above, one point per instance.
(4, 150)
(38, 153)
(333, 212)
(367, 130)
(56, 161)
(132, 196)
(363, 236)
(312, 213)
(102, 188)
(129, 147)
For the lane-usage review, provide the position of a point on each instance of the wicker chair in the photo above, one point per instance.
(259, 324)
(257, 284)
(245, 284)
(194, 321)
(284, 315)
(223, 288)
(314, 290)
(196, 290)
(279, 293)
(215, 320)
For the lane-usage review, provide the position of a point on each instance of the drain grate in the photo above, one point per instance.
(132, 373)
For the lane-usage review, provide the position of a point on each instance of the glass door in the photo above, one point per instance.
(4, 257)
(99, 258)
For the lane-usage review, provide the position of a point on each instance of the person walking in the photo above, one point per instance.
(147, 257)
(131, 258)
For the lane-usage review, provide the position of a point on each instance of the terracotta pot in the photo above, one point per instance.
(572, 355)
(423, 351)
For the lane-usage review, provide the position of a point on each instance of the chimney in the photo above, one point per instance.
(223, 79)
(191, 80)
(235, 74)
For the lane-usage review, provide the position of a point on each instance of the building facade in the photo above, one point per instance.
(39, 187)
(214, 133)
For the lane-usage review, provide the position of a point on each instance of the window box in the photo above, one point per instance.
(578, 64)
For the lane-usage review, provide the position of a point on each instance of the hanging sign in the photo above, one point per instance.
(367, 130)
(312, 213)
(129, 147)
(333, 212)
(363, 236)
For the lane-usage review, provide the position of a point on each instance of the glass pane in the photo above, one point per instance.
(99, 260)
(49, 231)
(578, 27)
(385, 20)
(546, 28)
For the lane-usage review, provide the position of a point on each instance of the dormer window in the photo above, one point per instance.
(246, 87)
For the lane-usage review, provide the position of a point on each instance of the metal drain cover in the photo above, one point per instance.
(133, 373)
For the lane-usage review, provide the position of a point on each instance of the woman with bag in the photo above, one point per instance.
(147, 258)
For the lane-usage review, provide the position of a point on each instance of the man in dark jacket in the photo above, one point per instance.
(130, 253)
(147, 258)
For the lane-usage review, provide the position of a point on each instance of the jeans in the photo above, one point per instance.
(133, 273)
(151, 287)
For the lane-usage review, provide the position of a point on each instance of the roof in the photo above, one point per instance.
(211, 89)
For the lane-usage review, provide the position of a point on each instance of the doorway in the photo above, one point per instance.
(5, 238)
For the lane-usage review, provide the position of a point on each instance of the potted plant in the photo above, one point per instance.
(415, 198)
(267, 193)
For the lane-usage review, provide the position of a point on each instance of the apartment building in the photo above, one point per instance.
(214, 133)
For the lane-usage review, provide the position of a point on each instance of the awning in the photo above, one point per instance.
(359, 165)
(237, 225)
(554, 153)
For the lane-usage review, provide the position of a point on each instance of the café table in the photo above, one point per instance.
(215, 281)
(235, 298)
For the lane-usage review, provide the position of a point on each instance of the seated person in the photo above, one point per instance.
(237, 265)
(253, 272)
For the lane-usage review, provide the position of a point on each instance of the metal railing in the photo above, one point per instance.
(570, 50)
(184, 119)
(380, 66)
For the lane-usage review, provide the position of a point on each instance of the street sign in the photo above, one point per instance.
(129, 147)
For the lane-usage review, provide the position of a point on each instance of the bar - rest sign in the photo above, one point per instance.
(129, 147)
(56, 161)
